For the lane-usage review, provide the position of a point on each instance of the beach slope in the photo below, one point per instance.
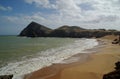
(98, 64)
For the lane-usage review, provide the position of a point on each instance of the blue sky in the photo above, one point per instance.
(17, 14)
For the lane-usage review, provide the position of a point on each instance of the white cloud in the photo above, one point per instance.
(3, 8)
(23, 19)
(76, 8)
(39, 3)
(84, 13)
(68, 9)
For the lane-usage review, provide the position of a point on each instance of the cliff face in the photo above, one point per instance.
(37, 30)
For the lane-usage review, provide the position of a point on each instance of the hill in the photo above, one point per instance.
(37, 30)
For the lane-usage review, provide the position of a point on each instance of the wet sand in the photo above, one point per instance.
(88, 66)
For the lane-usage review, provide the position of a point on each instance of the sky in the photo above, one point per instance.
(15, 15)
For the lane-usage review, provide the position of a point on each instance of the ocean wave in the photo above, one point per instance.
(47, 58)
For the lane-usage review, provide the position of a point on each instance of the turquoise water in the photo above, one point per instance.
(14, 48)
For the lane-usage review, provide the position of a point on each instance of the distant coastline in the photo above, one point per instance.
(8, 35)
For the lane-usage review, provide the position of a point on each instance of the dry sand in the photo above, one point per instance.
(99, 63)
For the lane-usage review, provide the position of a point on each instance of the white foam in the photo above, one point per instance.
(46, 58)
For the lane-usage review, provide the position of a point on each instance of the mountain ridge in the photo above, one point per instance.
(37, 30)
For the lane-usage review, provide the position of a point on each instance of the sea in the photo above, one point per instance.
(23, 55)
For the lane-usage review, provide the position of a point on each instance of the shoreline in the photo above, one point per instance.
(54, 70)
(100, 63)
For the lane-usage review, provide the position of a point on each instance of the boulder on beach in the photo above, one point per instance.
(114, 74)
(115, 41)
(117, 65)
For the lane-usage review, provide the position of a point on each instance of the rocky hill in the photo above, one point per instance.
(66, 31)
(36, 30)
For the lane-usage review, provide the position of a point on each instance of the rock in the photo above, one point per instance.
(117, 65)
(115, 41)
(6, 76)
(114, 74)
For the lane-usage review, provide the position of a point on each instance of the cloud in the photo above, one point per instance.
(86, 6)
(39, 3)
(79, 8)
(104, 19)
(23, 19)
(84, 13)
(3, 8)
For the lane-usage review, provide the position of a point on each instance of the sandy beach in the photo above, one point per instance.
(93, 66)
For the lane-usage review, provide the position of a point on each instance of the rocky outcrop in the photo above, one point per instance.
(37, 30)
(6, 76)
(116, 41)
(114, 74)
(117, 65)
